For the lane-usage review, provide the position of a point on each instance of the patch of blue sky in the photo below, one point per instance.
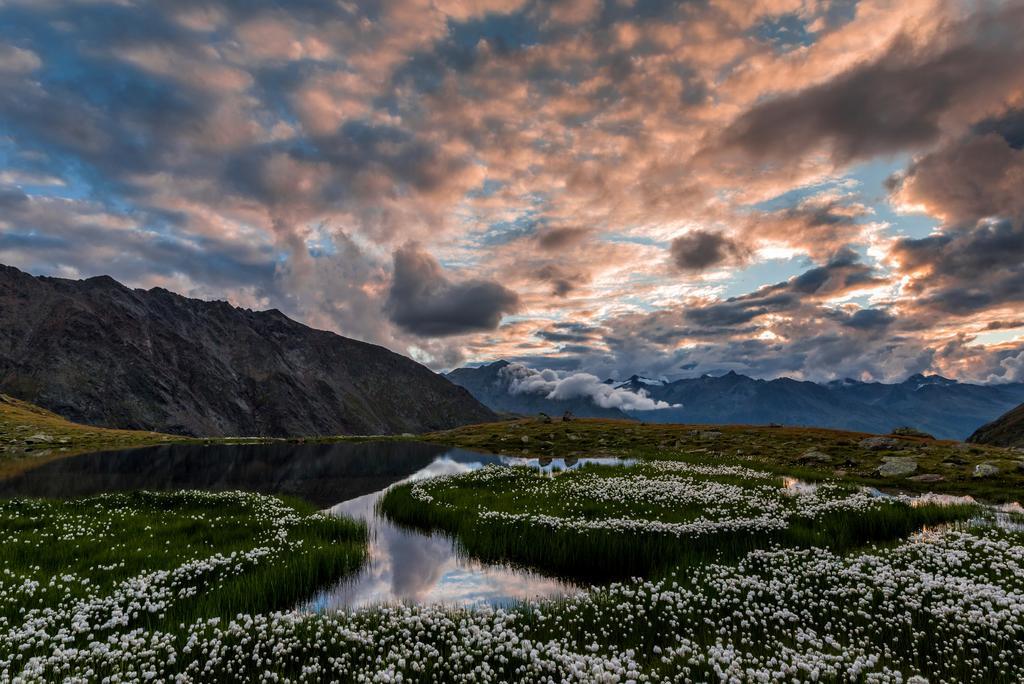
(321, 243)
(991, 337)
(784, 32)
(624, 238)
(872, 176)
(487, 189)
(504, 232)
(503, 31)
(769, 272)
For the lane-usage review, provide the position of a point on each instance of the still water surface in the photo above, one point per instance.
(346, 479)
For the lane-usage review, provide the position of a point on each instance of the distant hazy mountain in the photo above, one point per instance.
(940, 406)
(493, 388)
(1006, 430)
(98, 352)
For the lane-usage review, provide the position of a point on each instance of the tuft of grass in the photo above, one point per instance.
(602, 554)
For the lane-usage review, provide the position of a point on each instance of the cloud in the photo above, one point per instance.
(556, 238)
(282, 154)
(901, 100)
(424, 301)
(1012, 368)
(700, 249)
(561, 386)
(965, 180)
(966, 271)
(15, 60)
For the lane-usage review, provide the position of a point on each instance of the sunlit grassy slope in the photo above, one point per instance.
(30, 435)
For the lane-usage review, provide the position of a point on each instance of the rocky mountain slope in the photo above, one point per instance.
(97, 352)
(939, 406)
(1007, 430)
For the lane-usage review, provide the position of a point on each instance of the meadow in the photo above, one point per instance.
(600, 522)
(702, 564)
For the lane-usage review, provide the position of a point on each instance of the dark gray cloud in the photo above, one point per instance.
(843, 272)
(966, 271)
(552, 239)
(701, 249)
(424, 301)
(869, 319)
(893, 103)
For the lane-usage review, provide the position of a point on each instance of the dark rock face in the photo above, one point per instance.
(1007, 430)
(100, 353)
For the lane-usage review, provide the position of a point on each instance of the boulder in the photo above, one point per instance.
(897, 466)
(985, 470)
(815, 455)
(907, 431)
(881, 443)
(927, 477)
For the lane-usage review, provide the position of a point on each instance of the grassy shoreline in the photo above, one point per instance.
(646, 520)
(808, 453)
(30, 436)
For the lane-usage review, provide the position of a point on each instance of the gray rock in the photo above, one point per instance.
(985, 470)
(927, 477)
(881, 444)
(709, 434)
(815, 455)
(525, 439)
(39, 437)
(897, 466)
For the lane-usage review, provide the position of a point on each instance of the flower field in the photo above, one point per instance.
(612, 521)
(759, 579)
(83, 582)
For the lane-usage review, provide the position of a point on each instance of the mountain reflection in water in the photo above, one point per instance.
(322, 474)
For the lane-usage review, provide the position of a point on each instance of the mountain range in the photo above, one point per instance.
(940, 406)
(97, 352)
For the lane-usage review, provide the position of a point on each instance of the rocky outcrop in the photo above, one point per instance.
(97, 352)
(1007, 430)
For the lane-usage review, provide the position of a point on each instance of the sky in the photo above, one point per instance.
(817, 189)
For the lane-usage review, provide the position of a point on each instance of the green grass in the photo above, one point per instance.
(779, 449)
(108, 540)
(604, 553)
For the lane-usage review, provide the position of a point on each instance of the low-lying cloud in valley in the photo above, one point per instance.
(561, 385)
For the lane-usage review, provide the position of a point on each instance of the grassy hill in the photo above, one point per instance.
(940, 466)
(30, 435)
(1006, 430)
